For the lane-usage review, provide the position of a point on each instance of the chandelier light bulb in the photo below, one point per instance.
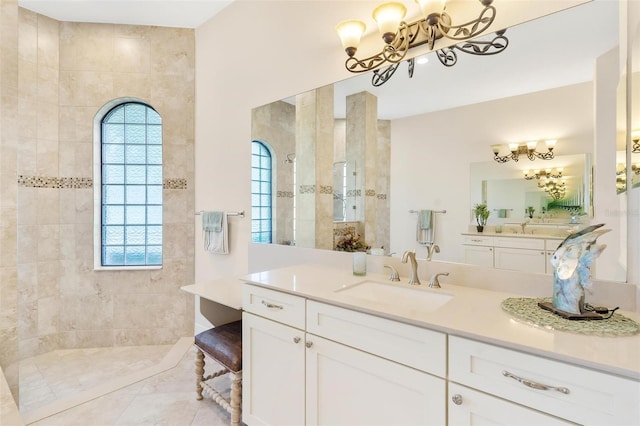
(551, 143)
(388, 17)
(350, 33)
(513, 147)
(531, 145)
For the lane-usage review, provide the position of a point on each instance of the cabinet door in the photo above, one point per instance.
(471, 407)
(520, 259)
(479, 255)
(346, 386)
(547, 261)
(273, 372)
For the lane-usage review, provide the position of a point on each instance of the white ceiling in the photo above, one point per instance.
(176, 13)
(553, 51)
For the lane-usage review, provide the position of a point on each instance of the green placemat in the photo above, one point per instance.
(527, 309)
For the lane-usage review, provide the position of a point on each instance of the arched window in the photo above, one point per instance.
(261, 193)
(131, 186)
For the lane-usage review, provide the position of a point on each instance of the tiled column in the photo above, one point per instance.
(382, 184)
(8, 194)
(361, 153)
(314, 168)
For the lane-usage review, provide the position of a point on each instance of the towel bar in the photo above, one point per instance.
(435, 211)
(240, 213)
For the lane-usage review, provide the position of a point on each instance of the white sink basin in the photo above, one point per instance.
(414, 297)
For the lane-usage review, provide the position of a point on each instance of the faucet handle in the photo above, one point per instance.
(394, 274)
(434, 282)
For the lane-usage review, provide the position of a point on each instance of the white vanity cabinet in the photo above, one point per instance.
(514, 253)
(273, 357)
(358, 368)
(478, 251)
(493, 384)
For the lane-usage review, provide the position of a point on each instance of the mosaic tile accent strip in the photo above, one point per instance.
(326, 189)
(354, 193)
(178, 183)
(370, 193)
(284, 194)
(54, 182)
(381, 196)
(80, 182)
(307, 189)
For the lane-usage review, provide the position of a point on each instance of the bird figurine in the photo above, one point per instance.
(572, 268)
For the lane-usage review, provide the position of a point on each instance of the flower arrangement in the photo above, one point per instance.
(350, 240)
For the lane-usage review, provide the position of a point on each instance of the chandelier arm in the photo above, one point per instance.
(484, 48)
(468, 29)
(391, 53)
(505, 158)
(541, 155)
(447, 56)
(381, 76)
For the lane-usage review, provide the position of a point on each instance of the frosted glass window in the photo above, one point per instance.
(131, 186)
(261, 193)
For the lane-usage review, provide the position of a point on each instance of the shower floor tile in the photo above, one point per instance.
(62, 373)
(166, 398)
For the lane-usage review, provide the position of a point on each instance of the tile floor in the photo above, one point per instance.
(116, 386)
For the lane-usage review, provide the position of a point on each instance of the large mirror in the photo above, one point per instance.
(442, 122)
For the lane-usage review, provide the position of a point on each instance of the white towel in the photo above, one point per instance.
(215, 241)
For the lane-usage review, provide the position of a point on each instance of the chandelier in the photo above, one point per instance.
(400, 36)
(547, 173)
(636, 144)
(529, 150)
(554, 188)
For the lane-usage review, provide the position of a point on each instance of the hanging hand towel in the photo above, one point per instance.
(424, 228)
(215, 230)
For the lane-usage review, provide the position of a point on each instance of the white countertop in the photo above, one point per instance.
(472, 313)
(514, 235)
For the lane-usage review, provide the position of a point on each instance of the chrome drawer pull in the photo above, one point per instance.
(271, 305)
(457, 399)
(533, 384)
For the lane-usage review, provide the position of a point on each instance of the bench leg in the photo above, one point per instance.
(236, 398)
(199, 373)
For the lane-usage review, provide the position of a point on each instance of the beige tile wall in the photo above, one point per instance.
(66, 73)
(8, 194)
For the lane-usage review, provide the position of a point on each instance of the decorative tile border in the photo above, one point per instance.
(284, 194)
(307, 189)
(54, 182)
(354, 193)
(369, 192)
(81, 183)
(326, 189)
(178, 183)
(381, 196)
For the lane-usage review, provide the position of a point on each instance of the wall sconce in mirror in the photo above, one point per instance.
(547, 173)
(529, 150)
(635, 137)
(400, 36)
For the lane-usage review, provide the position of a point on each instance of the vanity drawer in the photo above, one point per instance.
(522, 243)
(478, 241)
(574, 393)
(416, 347)
(282, 307)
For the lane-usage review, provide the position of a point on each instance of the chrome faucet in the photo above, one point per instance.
(411, 255)
(433, 248)
(394, 274)
(433, 282)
